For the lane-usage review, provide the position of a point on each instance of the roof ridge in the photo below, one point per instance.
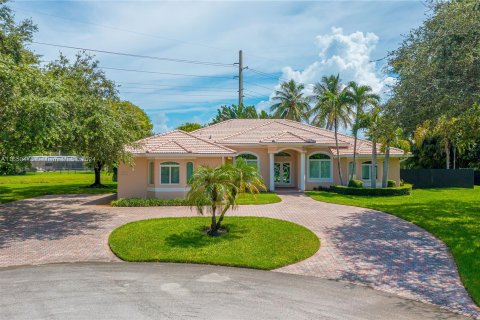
(157, 135)
(205, 140)
(248, 129)
(213, 125)
(308, 125)
(281, 134)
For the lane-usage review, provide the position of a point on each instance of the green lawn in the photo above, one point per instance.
(260, 198)
(43, 183)
(252, 242)
(452, 215)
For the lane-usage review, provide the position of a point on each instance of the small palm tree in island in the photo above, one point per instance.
(215, 190)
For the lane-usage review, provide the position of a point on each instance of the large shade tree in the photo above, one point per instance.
(100, 127)
(438, 65)
(290, 102)
(332, 108)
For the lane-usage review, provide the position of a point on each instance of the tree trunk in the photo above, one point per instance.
(220, 219)
(338, 154)
(373, 169)
(213, 225)
(454, 157)
(97, 169)
(354, 166)
(447, 152)
(386, 167)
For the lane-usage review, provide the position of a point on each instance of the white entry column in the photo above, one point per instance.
(272, 171)
(302, 171)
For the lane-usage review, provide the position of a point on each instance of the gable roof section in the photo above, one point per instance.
(266, 131)
(179, 142)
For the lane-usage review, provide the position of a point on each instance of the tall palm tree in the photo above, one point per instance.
(361, 97)
(292, 104)
(332, 108)
(374, 123)
(391, 136)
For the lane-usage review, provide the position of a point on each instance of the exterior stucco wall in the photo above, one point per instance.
(132, 180)
(263, 157)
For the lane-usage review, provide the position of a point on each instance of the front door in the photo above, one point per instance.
(282, 173)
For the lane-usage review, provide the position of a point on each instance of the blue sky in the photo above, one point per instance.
(299, 40)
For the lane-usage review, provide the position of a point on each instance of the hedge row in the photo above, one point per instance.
(148, 202)
(396, 191)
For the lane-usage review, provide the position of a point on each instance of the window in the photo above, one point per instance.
(189, 170)
(169, 173)
(250, 159)
(320, 167)
(282, 154)
(151, 176)
(366, 167)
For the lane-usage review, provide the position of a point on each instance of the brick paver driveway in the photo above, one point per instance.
(357, 245)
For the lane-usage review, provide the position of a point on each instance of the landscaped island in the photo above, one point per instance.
(252, 242)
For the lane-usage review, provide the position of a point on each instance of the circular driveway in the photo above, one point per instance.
(173, 291)
(357, 245)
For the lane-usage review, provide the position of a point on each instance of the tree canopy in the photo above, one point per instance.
(190, 126)
(238, 112)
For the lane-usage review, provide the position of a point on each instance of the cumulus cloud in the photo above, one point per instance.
(346, 54)
(160, 122)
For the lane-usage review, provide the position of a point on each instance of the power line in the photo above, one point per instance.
(175, 88)
(165, 73)
(207, 63)
(267, 75)
(172, 86)
(175, 94)
(257, 85)
(255, 92)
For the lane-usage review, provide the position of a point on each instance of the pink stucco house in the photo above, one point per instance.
(288, 154)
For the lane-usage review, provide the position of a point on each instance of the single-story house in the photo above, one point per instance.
(288, 154)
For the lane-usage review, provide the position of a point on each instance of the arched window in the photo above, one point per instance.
(169, 173)
(366, 167)
(189, 170)
(249, 158)
(319, 167)
(282, 154)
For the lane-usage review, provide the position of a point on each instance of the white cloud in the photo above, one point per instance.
(160, 122)
(346, 54)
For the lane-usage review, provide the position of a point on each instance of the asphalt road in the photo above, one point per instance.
(183, 291)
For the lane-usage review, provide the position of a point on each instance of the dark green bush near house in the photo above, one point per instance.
(148, 202)
(354, 183)
(320, 188)
(391, 184)
(396, 191)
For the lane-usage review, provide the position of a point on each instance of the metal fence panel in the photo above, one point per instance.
(477, 178)
(438, 178)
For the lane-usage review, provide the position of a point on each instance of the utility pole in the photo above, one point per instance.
(240, 78)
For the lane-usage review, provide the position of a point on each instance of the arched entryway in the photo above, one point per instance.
(285, 169)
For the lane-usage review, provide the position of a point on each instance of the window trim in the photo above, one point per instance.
(309, 179)
(169, 165)
(249, 152)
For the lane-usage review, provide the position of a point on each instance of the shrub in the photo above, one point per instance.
(321, 188)
(395, 191)
(148, 202)
(391, 184)
(354, 183)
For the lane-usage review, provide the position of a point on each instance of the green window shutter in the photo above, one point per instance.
(366, 172)
(151, 174)
(189, 171)
(165, 175)
(175, 175)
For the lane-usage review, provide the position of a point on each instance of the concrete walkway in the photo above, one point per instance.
(185, 291)
(357, 245)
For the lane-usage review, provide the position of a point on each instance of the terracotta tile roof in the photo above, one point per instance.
(272, 131)
(179, 142)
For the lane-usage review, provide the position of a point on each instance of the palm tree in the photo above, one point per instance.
(246, 179)
(292, 104)
(374, 123)
(217, 189)
(391, 136)
(361, 97)
(332, 108)
(212, 189)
